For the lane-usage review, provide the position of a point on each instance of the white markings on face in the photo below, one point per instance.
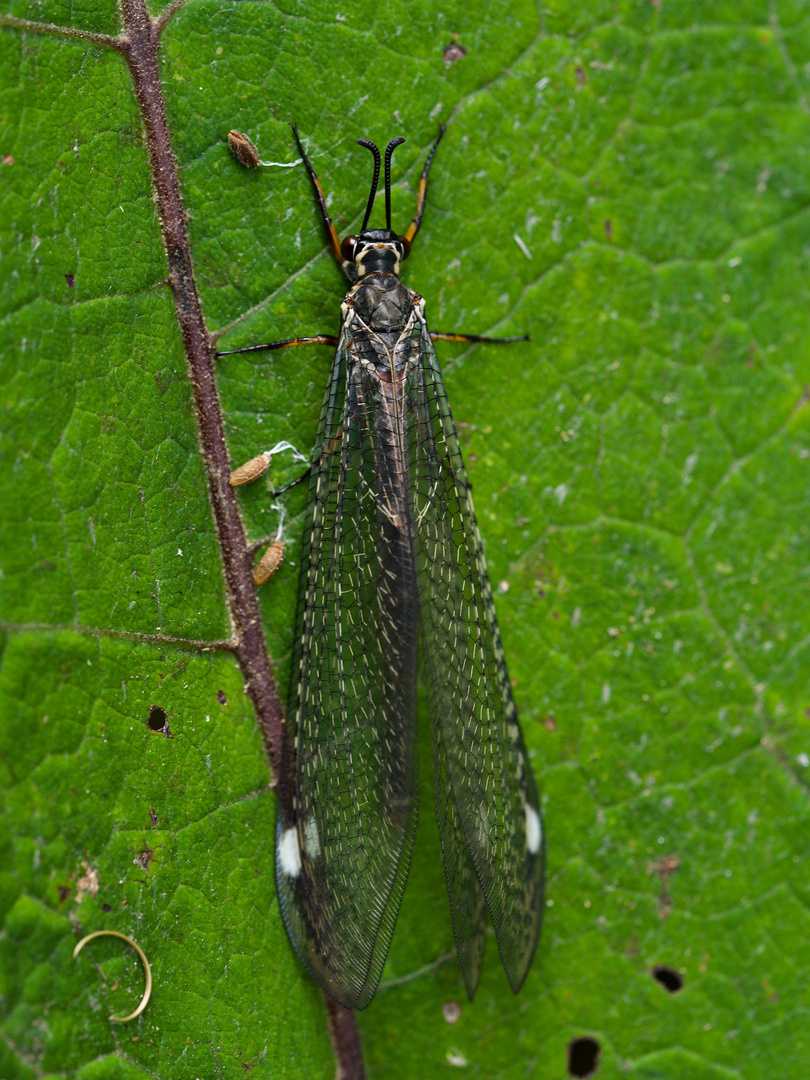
(312, 842)
(361, 254)
(534, 830)
(288, 854)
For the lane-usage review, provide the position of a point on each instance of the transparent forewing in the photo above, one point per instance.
(347, 807)
(488, 810)
(467, 903)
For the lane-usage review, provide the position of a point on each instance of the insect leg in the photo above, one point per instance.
(294, 483)
(331, 232)
(333, 445)
(285, 343)
(413, 228)
(471, 339)
(258, 465)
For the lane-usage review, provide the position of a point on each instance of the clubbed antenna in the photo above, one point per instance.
(389, 150)
(369, 145)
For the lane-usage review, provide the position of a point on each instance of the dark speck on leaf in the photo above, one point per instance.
(668, 977)
(453, 51)
(71, 280)
(221, 698)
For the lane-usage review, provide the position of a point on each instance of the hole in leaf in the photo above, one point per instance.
(583, 1056)
(158, 718)
(669, 978)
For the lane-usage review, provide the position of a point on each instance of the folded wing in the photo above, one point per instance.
(348, 814)
(486, 800)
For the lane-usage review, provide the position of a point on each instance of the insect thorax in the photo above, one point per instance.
(381, 301)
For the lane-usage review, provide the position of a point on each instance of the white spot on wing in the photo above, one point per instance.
(312, 842)
(288, 854)
(534, 830)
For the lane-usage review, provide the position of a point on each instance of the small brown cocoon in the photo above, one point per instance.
(252, 469)
(269, 563)
(243, 149)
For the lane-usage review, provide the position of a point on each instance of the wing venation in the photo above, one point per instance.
(486, 803)
(350, 812)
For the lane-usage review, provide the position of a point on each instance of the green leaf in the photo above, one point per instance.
(642, 479)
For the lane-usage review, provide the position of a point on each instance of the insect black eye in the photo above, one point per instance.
(347, 248)
(406, 246)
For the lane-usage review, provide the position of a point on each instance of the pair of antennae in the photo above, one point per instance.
(389, 150)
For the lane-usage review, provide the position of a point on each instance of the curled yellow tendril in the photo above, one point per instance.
(147, 991)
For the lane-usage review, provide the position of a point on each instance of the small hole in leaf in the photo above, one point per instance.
(583, 1056)
(669, 978)
(157, 718)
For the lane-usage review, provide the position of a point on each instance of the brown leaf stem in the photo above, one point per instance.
(139, 45)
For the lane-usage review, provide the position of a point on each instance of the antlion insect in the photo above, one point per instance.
(393, 569)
